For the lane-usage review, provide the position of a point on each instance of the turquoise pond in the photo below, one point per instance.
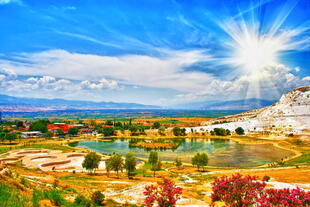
(221, 152)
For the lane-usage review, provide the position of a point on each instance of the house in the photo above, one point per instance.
(55, 126)
(32, 134)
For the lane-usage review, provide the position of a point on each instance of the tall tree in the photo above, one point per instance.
(91, 161)
(130, 164)
(156, 167)
(200, 160)
(178, 162)
(153, 157)
(116, 163)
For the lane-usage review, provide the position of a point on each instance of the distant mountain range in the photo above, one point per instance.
(22, 104)
(246, 104)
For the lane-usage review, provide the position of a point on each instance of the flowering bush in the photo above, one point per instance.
(243, 191)
(237, 191)
(97, 197)
(284, 197)
(165, 194)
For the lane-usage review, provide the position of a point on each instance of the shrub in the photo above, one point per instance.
(81, 200)
(11, 197)
(53, 195)
(97, 197)
(220, 131)
(165, 194)
(55, 183)
(237, 190)
(178, 131)
(239, 130)
(23, 181)
(284, 197)
(56, 197)
(247, 190)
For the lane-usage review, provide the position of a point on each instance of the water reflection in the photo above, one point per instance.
(221, 152)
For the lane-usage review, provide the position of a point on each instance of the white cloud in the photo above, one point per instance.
(10, 1)
(2, 77)
(101, 84)
(62, 70)
(306, 78)
(270, 83)
(50, 83)
(158, 72)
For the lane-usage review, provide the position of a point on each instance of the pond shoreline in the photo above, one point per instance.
(242, 140)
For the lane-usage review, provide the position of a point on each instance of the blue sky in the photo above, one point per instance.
(154, 52)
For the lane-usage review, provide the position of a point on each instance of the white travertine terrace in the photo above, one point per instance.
(290, 115)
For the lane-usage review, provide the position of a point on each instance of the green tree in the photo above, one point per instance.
(228, 132)
(239, 130)
(48, 134)
(116, 163)
(153, 158)
(130, 164)
(133, 129)
(179, 132)
(161, 131)
(200, 160)
(60, 132)
(156, 167)
(220, 131)
(156, 125)
(73, 131)
(20, 124)
(11, 137)
(107, 131)
(178, 162)
(40, 125)
(91, 161)
(109, 123)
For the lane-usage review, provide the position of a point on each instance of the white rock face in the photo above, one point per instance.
(290, 115)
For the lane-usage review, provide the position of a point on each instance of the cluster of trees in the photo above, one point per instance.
(110, 131)
(220, 132)
(8, 136)
(115, 163)
(226, 132)
(178, 131)
(39, 125)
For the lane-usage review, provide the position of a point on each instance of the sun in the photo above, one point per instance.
(254, 52)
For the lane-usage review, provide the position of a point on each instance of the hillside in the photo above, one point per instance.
(291, 114)
(244, 104)
(21, 104)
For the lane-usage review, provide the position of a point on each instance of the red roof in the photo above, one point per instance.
(15, 131)
(107, 126)
(64, 127)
